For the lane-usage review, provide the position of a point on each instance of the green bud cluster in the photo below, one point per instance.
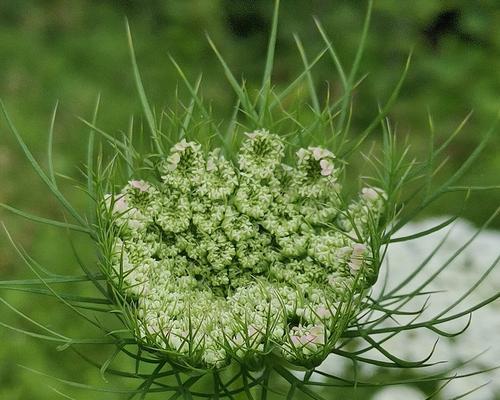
(226, 259)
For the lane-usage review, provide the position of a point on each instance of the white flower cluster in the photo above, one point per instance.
(224, 260)
(455, 280)
(451, 284)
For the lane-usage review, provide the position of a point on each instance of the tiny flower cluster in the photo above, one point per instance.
(228, 259)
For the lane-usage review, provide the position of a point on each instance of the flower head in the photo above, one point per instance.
(233, 260)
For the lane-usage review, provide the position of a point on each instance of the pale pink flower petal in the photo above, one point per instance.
(326, 167)
(141, 185)
(369, 194)
(120, 205)
(301, 153)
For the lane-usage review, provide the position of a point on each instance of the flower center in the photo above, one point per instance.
(265, 245)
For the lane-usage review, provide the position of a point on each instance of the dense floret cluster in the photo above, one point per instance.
(230, 259)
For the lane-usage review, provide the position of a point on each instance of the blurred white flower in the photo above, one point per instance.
(399, 393)
(456, 279)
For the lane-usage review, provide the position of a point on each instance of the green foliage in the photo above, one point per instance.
(51, 50)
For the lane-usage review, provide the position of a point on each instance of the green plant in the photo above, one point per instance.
(163, 199)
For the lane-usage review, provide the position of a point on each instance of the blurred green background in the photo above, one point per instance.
(71, 51)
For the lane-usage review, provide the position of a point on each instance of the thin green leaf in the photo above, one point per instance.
(238, 89)
(383, 112)
(189, 112)
(266, 79)
(310, 81)
(333, 54)
(39, 170)
(90, 154)
(142, 94)
(50, 146)
(355, 66)
(47, 221)
(425, 232)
